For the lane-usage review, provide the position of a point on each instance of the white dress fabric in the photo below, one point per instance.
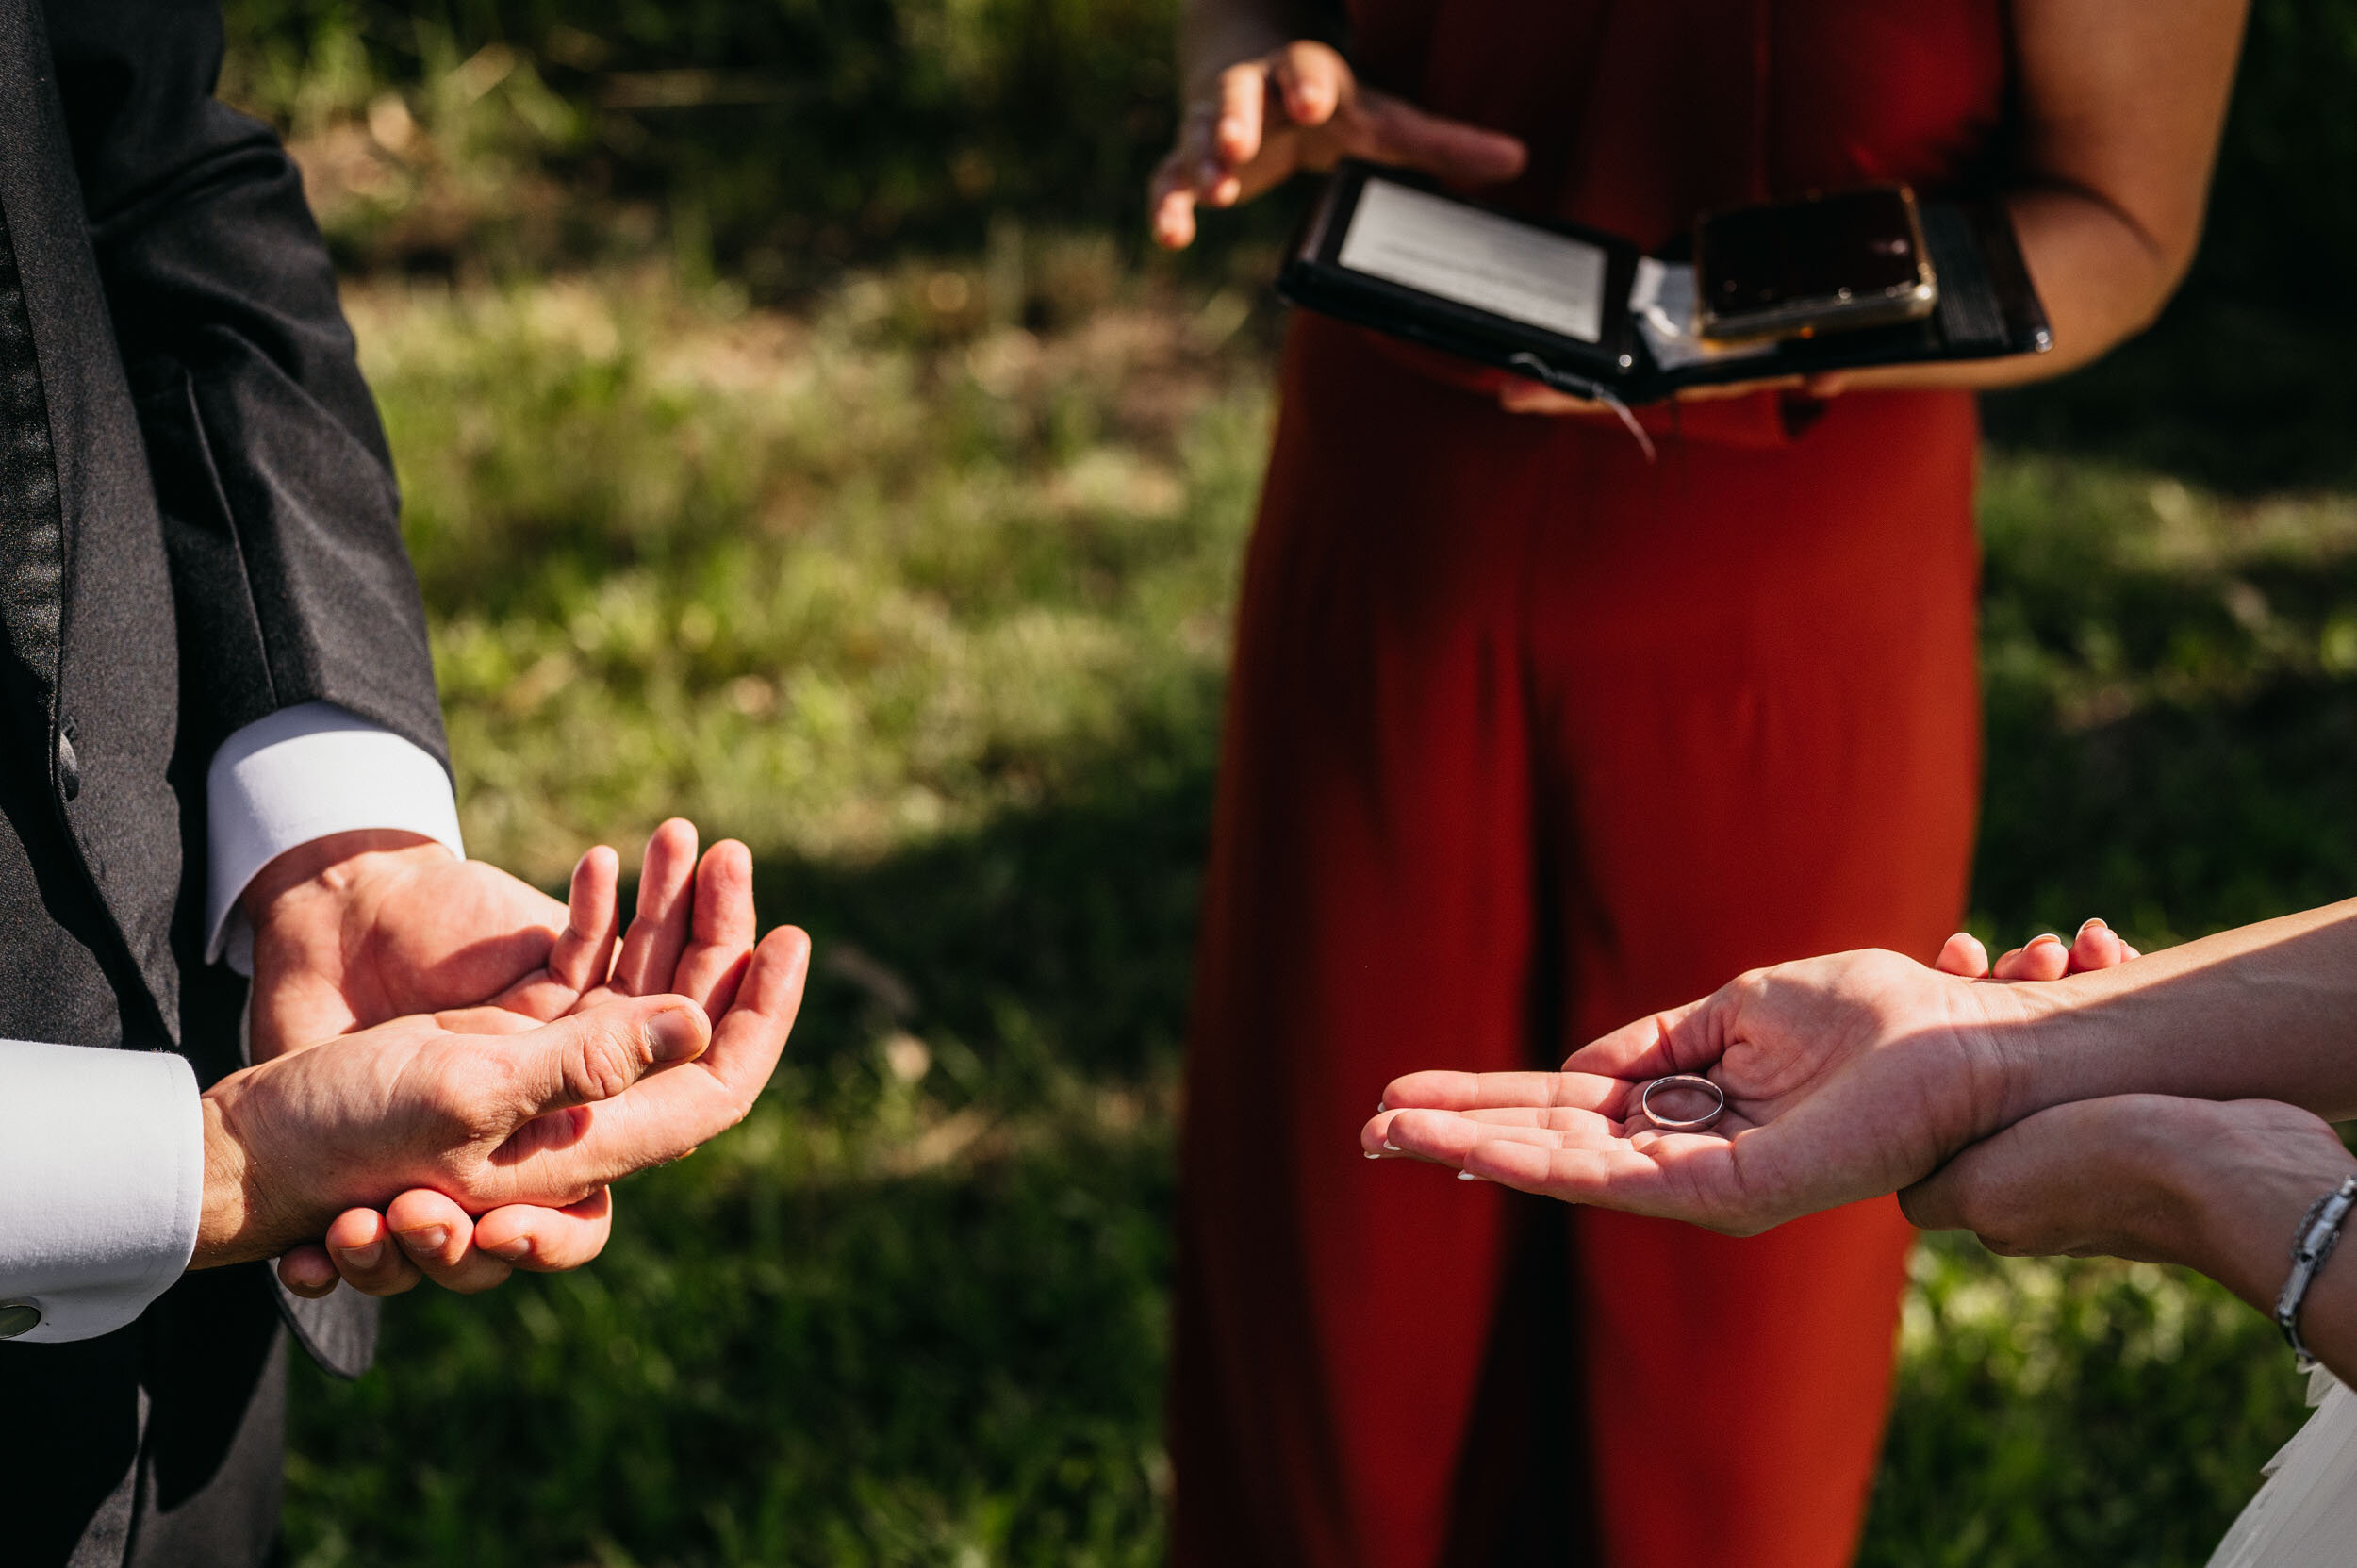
(2305, 1516)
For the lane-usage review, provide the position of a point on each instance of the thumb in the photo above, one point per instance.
(597, 1053)
(1398, 132)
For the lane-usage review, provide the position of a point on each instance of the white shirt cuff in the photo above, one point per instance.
(102, 1182)
(302, 774)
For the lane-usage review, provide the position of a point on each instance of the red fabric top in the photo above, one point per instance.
(1639, 115)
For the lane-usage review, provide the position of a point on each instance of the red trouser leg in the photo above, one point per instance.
(1482, 667)
(1763, 711)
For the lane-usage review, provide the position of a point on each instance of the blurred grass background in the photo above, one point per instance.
(796, 435)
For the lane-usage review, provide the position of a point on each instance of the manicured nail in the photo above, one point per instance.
(512, 1252)
(1373, 1155)
(2092, 925)
(2048, 937)
(1467, 1176)
(1380, 1108)
(364, 1257)
(675, 1035)
(1393, 1147)
(426, 1238)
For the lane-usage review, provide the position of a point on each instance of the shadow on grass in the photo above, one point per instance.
(1051, 943)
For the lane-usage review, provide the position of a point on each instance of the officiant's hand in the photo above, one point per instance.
(1846, 1078)
(484, 1107)
(1253, 122)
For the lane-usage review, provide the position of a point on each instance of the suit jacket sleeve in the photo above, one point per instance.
(280, 509)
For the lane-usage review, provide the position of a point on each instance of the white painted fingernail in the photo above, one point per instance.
(1393, 1147)
(1373, 1155)
(1467, 1176)
(1380, 1108)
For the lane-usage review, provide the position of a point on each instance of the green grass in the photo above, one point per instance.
(932, 609)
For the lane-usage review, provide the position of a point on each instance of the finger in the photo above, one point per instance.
(1619, 1178)
(1243, 96)
(1393, 130)
(583, 954)
(667, 1114)
(1456, 1091)
(1521, 395)
(1376, 1140)
(547, 1240)
(1311, 81)
(438, 1236)
(308, 1271)
(1170, 199)
(588, 1057)
(2097, 947)
(720, 938)
(366, 1256)
(1963, 954)
(2129, 950)
(667, 879)
(1935, 1203)
(2044, 958)
(1684, 1039)
(1448, 1136)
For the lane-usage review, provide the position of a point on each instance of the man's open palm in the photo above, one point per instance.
(488, 1110)
(383, 935)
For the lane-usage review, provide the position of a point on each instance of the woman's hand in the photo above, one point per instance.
(2218, 1185)
(1256, 123)
(1845, 1078)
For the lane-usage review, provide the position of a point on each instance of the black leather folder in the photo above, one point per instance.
(1588, 313)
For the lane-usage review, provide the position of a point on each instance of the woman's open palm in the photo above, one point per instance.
(1845, 1078)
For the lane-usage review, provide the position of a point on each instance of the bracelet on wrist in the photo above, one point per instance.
(2320, 1231)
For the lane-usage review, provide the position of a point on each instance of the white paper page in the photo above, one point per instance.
(1477, 259)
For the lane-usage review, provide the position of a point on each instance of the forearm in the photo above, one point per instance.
(2100, 277)
(2121, 104)
(2243, 1216)
(2265, 1010)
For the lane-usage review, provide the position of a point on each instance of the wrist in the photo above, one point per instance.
(235, 1222)
(2039, 1032)
(331, 864)
(2244, 1206)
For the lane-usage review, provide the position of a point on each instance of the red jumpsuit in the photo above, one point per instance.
(1527, 737)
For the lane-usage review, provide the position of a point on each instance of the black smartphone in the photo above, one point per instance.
(1826, 262)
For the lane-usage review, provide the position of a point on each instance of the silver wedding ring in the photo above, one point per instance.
(1682, 1080)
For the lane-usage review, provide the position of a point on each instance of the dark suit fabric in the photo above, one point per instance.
(198, 526)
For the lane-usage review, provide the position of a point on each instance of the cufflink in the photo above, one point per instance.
(18, 1317)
